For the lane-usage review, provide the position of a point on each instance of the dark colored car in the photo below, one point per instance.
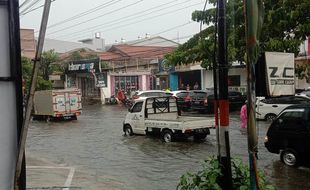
(183, 99)
(204, 101)
(200, 101)
(289, 135)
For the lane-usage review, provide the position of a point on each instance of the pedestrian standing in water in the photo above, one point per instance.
(244, 116)
(196, 86)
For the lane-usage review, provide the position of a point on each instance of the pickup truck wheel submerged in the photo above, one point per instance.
(167, 136)
(289, 157)
(199, 137)
(128, 130)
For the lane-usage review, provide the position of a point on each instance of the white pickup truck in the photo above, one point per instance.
(160, 115)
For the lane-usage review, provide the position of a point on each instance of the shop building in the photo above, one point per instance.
(132, 68)
(86, 75)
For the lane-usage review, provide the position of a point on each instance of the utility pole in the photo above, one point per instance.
(254, 20)
(36, 66)
(226, 181)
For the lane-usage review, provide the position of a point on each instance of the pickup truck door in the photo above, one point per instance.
(137, 118)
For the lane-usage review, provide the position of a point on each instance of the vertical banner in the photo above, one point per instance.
(280, 70)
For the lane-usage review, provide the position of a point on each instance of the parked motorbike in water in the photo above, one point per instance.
(112, 100)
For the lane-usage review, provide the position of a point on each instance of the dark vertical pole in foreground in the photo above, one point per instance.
(16, 71)
(226, 181)
(24, 131)
(215, 86)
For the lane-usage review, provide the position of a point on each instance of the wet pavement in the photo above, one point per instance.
(92, 153)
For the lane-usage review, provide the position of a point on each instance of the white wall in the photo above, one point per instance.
(143, 82)
(208, 79)
(301, 84)
(106, 92)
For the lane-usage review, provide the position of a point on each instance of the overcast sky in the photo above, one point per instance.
(114, 19)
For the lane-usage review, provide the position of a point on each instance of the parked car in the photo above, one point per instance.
(289, 135)
(183, 99)
(200, 101)
(269, 108)
(149, 93)
(204, 101)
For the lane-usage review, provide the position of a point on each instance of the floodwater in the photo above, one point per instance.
(95, 145)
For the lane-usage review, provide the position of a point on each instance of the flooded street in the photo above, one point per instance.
(95, 146)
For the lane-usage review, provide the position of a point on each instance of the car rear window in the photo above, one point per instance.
(199, 94)
(234, 93)
(182, 94)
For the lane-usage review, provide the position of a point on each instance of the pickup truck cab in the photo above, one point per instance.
(161, 115)
(289, 135)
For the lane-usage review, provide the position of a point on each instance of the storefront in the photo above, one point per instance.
(130, 83)
(187, 77)
(83, 74)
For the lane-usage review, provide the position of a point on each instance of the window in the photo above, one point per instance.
(300, 100)
(137, 107)
(293, 120)
(292, 115)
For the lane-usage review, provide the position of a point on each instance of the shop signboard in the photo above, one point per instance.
(102, 80)
(84, 66)
(280, 73)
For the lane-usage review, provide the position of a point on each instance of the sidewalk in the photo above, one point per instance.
(42, 174)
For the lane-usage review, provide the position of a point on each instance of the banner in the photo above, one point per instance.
(280, 71)
(84, 66)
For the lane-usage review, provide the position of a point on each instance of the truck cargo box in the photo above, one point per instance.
(63, 103)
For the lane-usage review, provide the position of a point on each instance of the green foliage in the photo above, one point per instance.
(27, 68)
(43, 84)
(286, 24)
(208, 177)
(46, 67)
(303, 71)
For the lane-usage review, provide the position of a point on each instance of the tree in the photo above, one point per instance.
(46, 67)
(27, 68)
(286, 24)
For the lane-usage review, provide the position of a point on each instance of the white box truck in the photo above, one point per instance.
(161, 115)
(51, 104)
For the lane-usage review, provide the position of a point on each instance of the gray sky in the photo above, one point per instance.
(115, 19)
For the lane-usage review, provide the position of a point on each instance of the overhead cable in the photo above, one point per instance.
(113, 11)
(89, 11)
(128, 17)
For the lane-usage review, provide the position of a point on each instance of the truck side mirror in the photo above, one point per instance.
(129, 110)
(280, 121)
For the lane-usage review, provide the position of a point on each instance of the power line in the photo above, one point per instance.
(24, 3)
(113, 11)
(92, 10)
(36, 8)
(31, 5)
(149, 18)
(125, 17)
(175, 27)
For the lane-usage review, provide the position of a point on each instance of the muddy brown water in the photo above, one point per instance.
(95, 144)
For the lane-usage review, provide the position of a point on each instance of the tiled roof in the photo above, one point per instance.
(128, 51)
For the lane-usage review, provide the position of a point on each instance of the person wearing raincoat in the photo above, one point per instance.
(244, 116)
